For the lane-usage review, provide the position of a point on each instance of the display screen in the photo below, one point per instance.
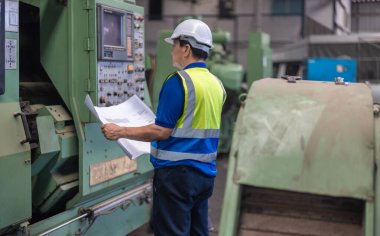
(112, 29)
(115, 34)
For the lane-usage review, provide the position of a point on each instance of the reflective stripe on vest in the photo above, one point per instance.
(187, 131)
(177, 156)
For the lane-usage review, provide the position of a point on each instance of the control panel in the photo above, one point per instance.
(117, 80)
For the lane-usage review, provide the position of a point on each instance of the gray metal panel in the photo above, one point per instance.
(294, 52)
(352, 38)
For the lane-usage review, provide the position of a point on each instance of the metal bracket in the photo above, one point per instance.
(291, 78)
(89, 85)
(340, 81)
(89, 44)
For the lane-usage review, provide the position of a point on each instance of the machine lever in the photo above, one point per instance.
(26, 127)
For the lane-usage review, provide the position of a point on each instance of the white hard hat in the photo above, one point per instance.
(196, 32)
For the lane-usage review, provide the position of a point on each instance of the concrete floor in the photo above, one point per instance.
(215, 202)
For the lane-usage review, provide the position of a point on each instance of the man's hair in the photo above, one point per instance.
(197, 53)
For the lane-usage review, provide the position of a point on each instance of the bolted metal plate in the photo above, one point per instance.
(59, 113)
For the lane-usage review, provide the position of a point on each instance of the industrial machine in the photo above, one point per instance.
(320, 69)
(328, 69)
(259, 57)
(303, 161)
(58, 174)
(323, 57)
(221, 63)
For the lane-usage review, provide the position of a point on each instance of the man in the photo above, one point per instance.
(184, 137)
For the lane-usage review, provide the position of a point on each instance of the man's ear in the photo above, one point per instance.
(187, 50)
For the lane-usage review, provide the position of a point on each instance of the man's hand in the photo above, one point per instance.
(112, 131)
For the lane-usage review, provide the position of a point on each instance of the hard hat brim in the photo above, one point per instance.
(169, 40)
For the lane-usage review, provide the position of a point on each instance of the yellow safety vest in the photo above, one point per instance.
(204, 98)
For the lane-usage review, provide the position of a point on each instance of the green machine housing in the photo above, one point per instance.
(303, 161)
(58, 174)
(259, 57)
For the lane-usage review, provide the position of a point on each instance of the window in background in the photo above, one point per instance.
(155, 9)
(226, 8)
(287, 7)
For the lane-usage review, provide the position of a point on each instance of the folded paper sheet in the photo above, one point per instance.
(132, 113)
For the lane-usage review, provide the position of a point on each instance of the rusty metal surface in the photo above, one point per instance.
(307, 136)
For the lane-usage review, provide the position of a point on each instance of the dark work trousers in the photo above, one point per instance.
(180, 206)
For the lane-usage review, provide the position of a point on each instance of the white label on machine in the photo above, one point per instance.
(10, 54)
(104, 171)
(11, 16)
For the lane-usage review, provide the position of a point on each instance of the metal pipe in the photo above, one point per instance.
(258, 23)
(64, 224)
(119, 200)
(107, 205)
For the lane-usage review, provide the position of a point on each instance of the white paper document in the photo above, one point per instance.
(132, 113)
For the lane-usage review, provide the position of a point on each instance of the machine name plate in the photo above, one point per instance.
(104, 171)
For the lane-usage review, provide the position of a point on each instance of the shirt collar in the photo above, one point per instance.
(196, 64)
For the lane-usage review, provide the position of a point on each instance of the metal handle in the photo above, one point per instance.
(26, 127)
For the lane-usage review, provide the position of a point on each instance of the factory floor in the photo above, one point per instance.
(215, 202)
